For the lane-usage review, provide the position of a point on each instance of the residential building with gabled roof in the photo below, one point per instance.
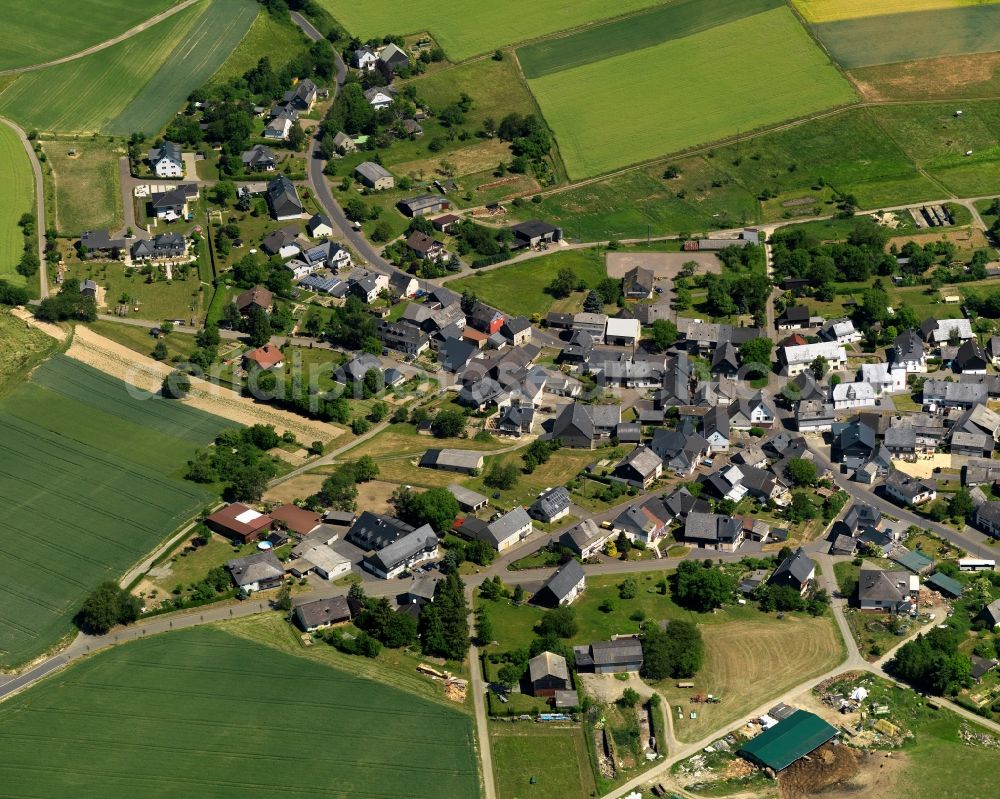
(552, 504)
(283, 199)
(586, 539)
(167, 160)
(641, 468)
(796, 571)
(713, 531)
(563, 587)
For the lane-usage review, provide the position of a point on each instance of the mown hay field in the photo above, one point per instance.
(963, 76)
(892, 38)
(736, 77)
(84, 95)
(831, 10)
(17, 195)
(204, 48)
(87, 191)
(90, 482)
(646, 29)
(37, 31)
(556, 757)
(205, 713)
(466, 29)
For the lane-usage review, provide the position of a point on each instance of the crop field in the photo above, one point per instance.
(87, 191)
(37, 31)
(831, 10)
(204, 48)
(604, 118)
(282, 40)
(674, 20)
(466, 29)
(531, 277)
(85, 95)
(174, 713)
(556, 757)
(17, 196)
(965, 77)
(90, 482)
(891, 38)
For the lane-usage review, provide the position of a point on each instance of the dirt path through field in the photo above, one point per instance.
(146, 374)
(52, 330)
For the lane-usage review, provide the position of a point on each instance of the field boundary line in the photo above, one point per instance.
(105, 44)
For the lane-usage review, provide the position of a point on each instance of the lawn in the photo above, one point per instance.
(465, 29)
(87, 191)
(155, 693)
(530, 278)
(96, 486)
(675, 20)
(603, 116)
(562, 466)
(205, 47)
(556, 757)
(85, 95)
(37, 31)
(24, 348)
(17, 196)
(162, 299)
(890, 38)
(179, 345)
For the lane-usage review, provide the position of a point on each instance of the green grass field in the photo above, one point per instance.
(205, 47)
(555, 756)
(467, 29)
(743, 75)
(90, 483)
(849, 152)
(282, 40)
(531, 277)
(890, 38)
(37, 31)
(17, 195)
(85, 95)
(24, 348)
(87, 192)
(201, 713)
(162, 299)
(674, 20)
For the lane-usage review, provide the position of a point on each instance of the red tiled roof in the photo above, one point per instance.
(266, 357)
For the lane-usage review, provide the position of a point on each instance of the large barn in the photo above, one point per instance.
(788, 740)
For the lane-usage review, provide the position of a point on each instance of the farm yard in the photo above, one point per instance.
(97, 485)
(768, 56)
(137, 84)
(37, 31)
(17, 195)
(465, 29)
(952, 29)
(85, 181)
(673, 20)
(154, 693)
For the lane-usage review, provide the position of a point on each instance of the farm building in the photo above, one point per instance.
(944, 584)
(453, 460)
(239, 522)
(788, 741)
(468, 500)
(548, 673)
(610, 657)
(374, 176)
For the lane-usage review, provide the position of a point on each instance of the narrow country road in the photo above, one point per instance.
(36, 167)
(121, 37)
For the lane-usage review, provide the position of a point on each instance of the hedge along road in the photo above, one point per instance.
(105, 44)
(36, 168)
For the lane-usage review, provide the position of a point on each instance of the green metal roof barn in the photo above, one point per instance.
(788, 740)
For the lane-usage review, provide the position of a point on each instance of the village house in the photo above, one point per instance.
(794, 317)
(257, 572)
(585, 426)
(380, 97)
(322, 613)
(283, 199)
(302, 97)
(796, 571)
(853, 395)
(937, 332)
(166, 161)
(412, 549)
(257, 297)
(887, 591)
(907, 490)
(942, 394)
(713, 531)
(534, 233)
(797, 359)
(839, 331)
(563, 587)
(621, 655)
(970, 359)
(551, 505)
(638, 283)
(403, 338)
(622, 332)
(645, 522)
(586, 539)
(640, 468)
(259, 158)
(264, 358)
(319, 226)
(426, 247)
(162, 247)
(172, 205)
(814, 416)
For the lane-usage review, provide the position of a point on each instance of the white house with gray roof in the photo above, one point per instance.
(411, 550)
(552, 504)
(166, 161)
